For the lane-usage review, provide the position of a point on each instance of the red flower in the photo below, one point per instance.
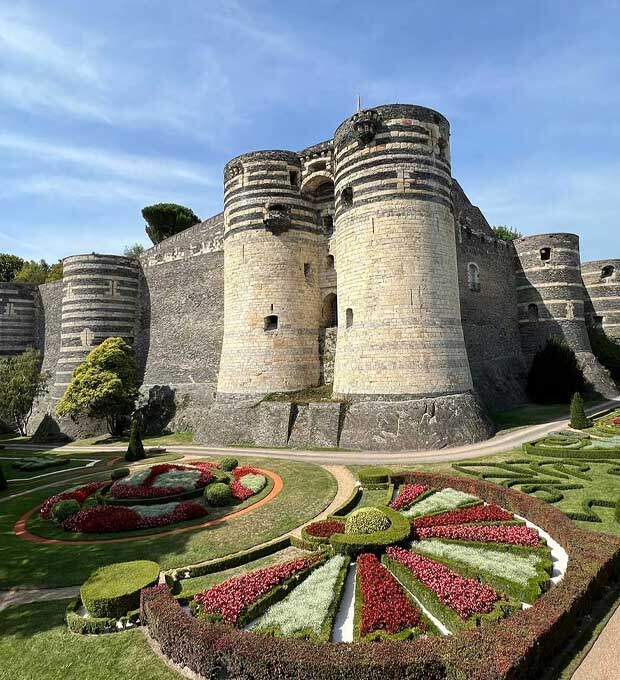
(204, 464)
(616, 421)
(240, 492)
(384, 603)
(80, 495)
(325, 528)
(407, 495)
(146, 489)
(239, 472)
(515, 535)
(230, 598)
(465, 596)
(479, 513)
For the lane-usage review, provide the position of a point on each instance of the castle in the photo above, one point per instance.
(358, 261)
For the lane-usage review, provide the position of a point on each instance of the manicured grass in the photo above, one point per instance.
(372, 497)
(308, 489)
(533, 414)
(36, 644)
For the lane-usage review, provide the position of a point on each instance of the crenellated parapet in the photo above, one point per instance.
(602, 281)
(17, 317)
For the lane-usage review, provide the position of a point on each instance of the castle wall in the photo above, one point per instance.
(17, 317)
(271, 263)
(602, 282)
(490, 323)
(395, 258)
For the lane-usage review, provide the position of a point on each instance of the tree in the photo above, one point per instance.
(134, 251)
(55, 272)
(555, 374)
(9, 266)
(104, 385)
(166, 219)
(578, 418)
(33, 272)
(135, 450)
(505, 233)
(21, 383)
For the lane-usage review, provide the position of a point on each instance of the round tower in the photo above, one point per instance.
(17, 317)
(602, 282)
(399, 319)
(271, 292)
(100, 299)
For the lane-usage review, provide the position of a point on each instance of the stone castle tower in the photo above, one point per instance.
(358, 261)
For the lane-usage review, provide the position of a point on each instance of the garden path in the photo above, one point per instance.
(601, 662)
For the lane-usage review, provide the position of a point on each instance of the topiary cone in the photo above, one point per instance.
(578, 418)
(135, 450)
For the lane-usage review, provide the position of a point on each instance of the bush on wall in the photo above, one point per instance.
(166, 219)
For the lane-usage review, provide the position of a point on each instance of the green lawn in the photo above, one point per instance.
(308, 489)
(533, 414)
(35, 644)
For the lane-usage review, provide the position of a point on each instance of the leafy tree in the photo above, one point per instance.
(166, 219)
(606, 351)
(134, 251)
(9, 266)
(39, 272)
(505, 233)
(555, 374)
(104, 385)
(578, 418)
(21, 383)
(135, 450)
(54, 273)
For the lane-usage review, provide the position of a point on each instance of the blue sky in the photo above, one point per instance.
(109, 106)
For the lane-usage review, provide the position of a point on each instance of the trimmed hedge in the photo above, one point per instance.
(366, 521)
(374, 475)
(518, 648)
(349, 504)
(97, 625)
(64, 509)
(228, 463)
(114, 590)
(564, 452)
(351, 544)
(119, 474)
(218, 494)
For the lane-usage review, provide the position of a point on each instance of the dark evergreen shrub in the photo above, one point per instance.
(119, 473)
(3, 483)
(135, 450)
(64, 509)
(166, 219)
(555, 374)
(228, 463)
(578, 418)
(218, 494)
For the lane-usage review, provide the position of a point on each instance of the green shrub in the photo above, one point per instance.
(578, 418)
(366, 521)
(64, 509)
(374, 475)
(229, 463)
(135, 450)
(114, 590)
(555, 374)
(166, 219)
(218, 494)
(119, 474)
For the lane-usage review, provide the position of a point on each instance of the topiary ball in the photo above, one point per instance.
(366, 521)
(64, 509)
(218, 494)
(119, 474)
(228, 463)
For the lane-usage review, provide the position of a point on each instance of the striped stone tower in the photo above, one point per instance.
(551, 298)
(271, 291)
(602, 282)
(100, 299)
(400, 333)
(17, 317)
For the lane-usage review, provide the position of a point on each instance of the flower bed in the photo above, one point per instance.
(382, 607)
(234, 601)
(322, 530)
(80, 495)
(116, 518)
(478, 513)
(406, 496)
(514, 535)
(160, 481)
(457, 601)
(309, 611)
(441, 501)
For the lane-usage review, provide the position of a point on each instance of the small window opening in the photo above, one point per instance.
(545, 254)
(346, 197)
(349, 317)
(330, 262)
(473, 277)
(329, 312)
(328, 225)
(532, 312)
(308, 272)
(607, 272)
(293, 176)
(271, 323)
(316, 167)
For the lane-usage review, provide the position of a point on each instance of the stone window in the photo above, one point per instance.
(329, 312)
(328, 225)
(330, 262)
(293, 176)
(346, 197)
(545, 254)
(349, 317)
(608, 271)
(597, 321)
(308, 272)
(317, 166)
(532, 312)
(473, 277)
(271, 322)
